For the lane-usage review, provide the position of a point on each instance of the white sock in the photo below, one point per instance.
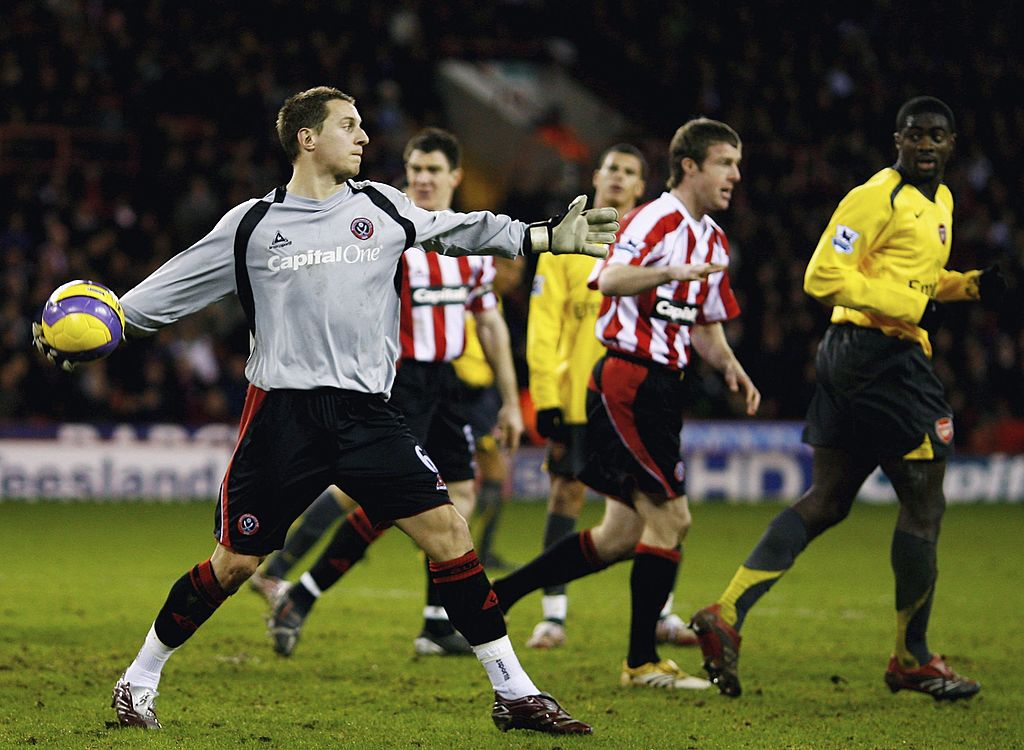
(431, 612)
(310, 585)
(508, 677)
(145, 670)
(667, 609)
(555, 606)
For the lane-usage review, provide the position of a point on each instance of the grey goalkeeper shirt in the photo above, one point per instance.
(319, 281)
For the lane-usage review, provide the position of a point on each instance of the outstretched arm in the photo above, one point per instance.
(624, 281)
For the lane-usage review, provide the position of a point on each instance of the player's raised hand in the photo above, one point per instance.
(694, 271)
(576, 231)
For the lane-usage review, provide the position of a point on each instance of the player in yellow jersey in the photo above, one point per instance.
(880, 265)
(561, 349)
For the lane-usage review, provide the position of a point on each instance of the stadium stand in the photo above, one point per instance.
(109, 113)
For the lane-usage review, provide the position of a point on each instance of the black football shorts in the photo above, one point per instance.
(292, 444)
(878, 395)
(428, 396)
(566, 456)
(481, 408)
(634, 416)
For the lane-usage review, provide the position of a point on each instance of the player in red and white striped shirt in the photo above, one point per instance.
(436, 292)
(667, 293)
(655, 324)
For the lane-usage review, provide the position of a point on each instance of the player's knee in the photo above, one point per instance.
(441, 532)
(679, 517)
(615, 543)
(463, 497)
(232, 570)
(670, 522)
(922, 518)
(566, 498)
(820, 511)
(922, 501)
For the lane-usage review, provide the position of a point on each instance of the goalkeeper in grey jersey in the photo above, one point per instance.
(315, 266)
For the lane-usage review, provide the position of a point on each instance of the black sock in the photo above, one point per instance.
(489, 505)
(650, 582)
(301, 598)
(679, 550)
(345, 549)
(435, 625)
(556, 528)
(569, 559)
(783, 540)
(468, 598)
(914, 564)
(192, 600)
(315, 521)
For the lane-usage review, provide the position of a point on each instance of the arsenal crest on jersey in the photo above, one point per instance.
(944, 429)
(942, 233)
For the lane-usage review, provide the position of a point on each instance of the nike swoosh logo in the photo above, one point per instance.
(918, 214)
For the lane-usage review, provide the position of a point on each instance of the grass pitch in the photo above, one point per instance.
(80, 585)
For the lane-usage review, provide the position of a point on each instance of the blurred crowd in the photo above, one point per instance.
(128, 129)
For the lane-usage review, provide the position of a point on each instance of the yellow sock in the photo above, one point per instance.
(903, 618)
(743, 580)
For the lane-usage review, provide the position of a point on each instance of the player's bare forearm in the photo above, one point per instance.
(711, 344)
(625, 281)
(496, 344)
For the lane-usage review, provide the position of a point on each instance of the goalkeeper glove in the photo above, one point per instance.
(992, 287)
(575, 231)
(549, 424)
(932, 317)
(51, 354)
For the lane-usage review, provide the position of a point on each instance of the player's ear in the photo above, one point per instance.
(457, 176)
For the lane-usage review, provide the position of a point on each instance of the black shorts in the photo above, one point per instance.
(566, 457)
(293, 444)
(878, 395)
(427, 395)
(482, 406)
(634, 417)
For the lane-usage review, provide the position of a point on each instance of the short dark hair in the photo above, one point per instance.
(626, 148)
(693, 139)
(435, 139)
(307, 109)
(922, 104)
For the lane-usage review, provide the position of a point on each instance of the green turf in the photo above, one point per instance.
(80, 584)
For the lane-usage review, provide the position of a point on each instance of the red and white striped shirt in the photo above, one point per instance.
(437, 290)
(655, 324)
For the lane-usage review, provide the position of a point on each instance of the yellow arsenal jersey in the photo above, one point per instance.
(561, 346)
(883, 255)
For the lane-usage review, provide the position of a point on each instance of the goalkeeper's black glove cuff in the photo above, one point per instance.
(538, 236)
